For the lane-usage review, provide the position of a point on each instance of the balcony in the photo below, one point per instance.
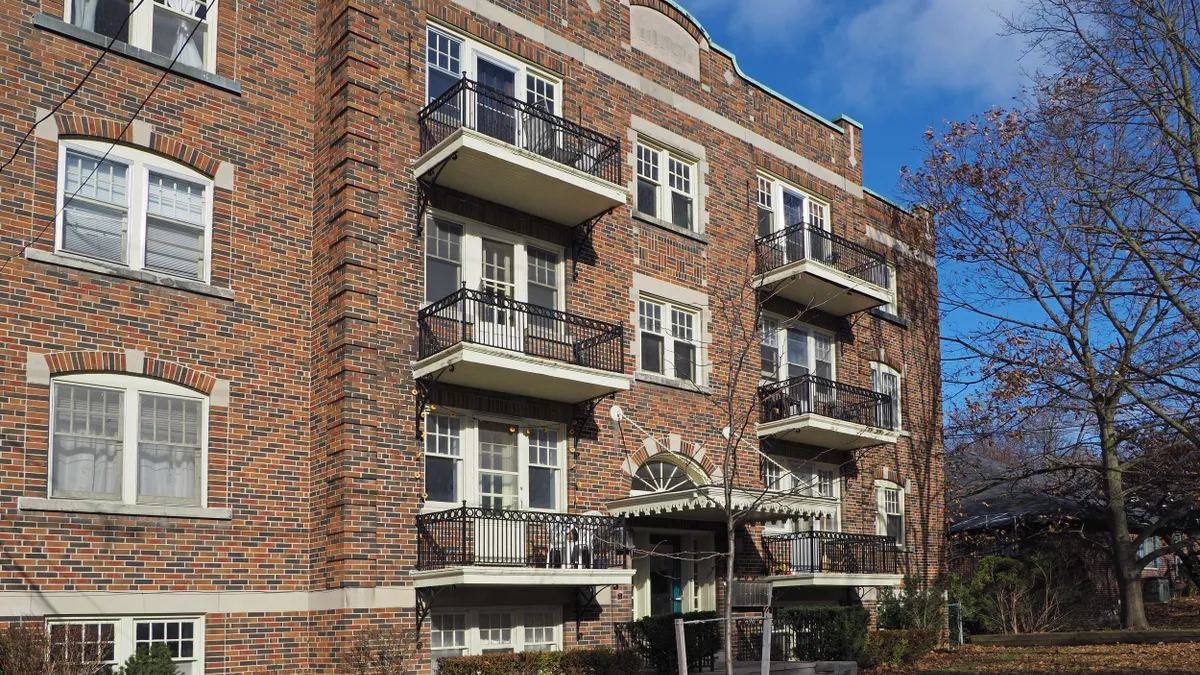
(821, 271)
(815, 411)
(478, 339)
(480, 141)
(832, 559)
(471, 546)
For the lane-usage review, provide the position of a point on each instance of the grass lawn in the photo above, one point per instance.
(1102, 659)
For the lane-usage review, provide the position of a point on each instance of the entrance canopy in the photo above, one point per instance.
(707, 504)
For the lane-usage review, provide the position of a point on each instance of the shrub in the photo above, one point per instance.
(26, 648)
(1036, 593)
(825, 632)
(897, 647)
(915, 607)
(654, 638)
(574, 662)
(380, 650)
(153, 661)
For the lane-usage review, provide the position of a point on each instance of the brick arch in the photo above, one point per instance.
(676, 14)
(693, 455)
(110, 130)
(62, 363)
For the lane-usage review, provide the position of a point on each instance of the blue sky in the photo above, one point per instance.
(896, 66)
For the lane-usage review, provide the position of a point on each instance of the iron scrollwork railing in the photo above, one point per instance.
(485, 318)
(821, 396)
(812, 552)
(471, 105)
(799, 242)
(470, 536)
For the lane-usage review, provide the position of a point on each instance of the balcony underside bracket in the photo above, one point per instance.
(423, 391)
(425, 598)
(581, 242)
(585, 596)
(425, 185)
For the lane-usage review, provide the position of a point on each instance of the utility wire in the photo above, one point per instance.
(58, 106)
(128, 123)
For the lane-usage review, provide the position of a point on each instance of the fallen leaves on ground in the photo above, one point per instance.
(1098, 660)
(1178, 613)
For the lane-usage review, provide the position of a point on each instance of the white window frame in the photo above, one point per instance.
(884, 488)
(471, 49)
(667, 333)
(125, 634)
(698, 588)
(468, 460)
(471, 257)
(139, 163)
(814, 207)
(781, 326)
(877, 370)
(802, 477)
(132, 386)
(141, 28)
(475, 645)
(664, 156)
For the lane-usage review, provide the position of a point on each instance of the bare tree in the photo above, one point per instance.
(382, 650)
(28, 648)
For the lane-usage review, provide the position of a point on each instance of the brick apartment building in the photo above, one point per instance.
(331, 332)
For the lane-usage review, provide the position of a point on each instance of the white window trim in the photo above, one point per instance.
(468, 460)
(471, 253)
(881, 515)
(781, 342)
(141, 29)
(132, 386)
(139, 163)
(124, 634)
(778, 186)
(703, 594)
(664, 189)
(470, 51)
(878, 368)
(799, 475)
(667, 334)
(474, 645)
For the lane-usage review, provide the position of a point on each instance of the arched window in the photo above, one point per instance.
(662, 476)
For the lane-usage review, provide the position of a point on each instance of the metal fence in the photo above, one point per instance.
(481, 317)
(810, 552)
(800, 242)
(469, 536)
(812, 394)
(471, 105)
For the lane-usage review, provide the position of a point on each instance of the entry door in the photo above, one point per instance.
(666, 576)
(806, 552)
(800, 394)
(793, 215)
(494, 110)
(498, 541)
(497, 321)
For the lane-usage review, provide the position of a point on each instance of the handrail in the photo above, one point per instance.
(812, 552)
(818, 395)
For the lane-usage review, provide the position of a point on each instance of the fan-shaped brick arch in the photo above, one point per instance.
(61, 363)
(109, 129)
(691, 453)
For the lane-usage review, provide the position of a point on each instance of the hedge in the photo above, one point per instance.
(825, 632)
(897, 647)
(574, 662)
(654, 638)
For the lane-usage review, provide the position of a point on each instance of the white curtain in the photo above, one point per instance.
(87, 440)
(84, 14)
(171, 31)
(168, 447)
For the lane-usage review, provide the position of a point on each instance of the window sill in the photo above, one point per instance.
(890, 318)
(121, 509)
(56, 25)
(670, 227)
(674, 383)
(198, 287)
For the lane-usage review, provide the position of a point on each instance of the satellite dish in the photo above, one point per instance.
(725, 433)
(616, 413)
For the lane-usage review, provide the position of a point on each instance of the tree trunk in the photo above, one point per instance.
(1124, 555)
(1133, 610)
(727, 611)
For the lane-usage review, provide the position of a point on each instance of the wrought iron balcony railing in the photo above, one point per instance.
(817, 395)
(484, 318)
(469, 536)
(812, 552)
(471, 105)
(799, 242)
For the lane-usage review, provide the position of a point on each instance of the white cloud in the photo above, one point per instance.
(766, 24)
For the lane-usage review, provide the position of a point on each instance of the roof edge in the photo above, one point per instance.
(887, 200)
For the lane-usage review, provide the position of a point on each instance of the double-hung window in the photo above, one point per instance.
(811, 479)
(129, 439)
(886, 380)
(179, 30)
(495, 630)
(889, 511)
(669, 338)
(796, 350)
(885, 276)
(492, 463)
(133, 209)
(112, 640)
(666, 183)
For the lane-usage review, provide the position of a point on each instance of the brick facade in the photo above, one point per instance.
(305, 335)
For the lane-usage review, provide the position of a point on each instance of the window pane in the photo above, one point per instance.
(87, 441)
(441, 279)
(442, 58)
(441, 478)
(647, 197)
(106, 17)
(542, 488)
(169, 448)
(764, 221)
(652, 352)
(94, 220)
(793, 209)
(497, 466)
(824, 355)
(685, 361)
(681, 210)
(443, 259)
(174, 248)
(172, 28)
